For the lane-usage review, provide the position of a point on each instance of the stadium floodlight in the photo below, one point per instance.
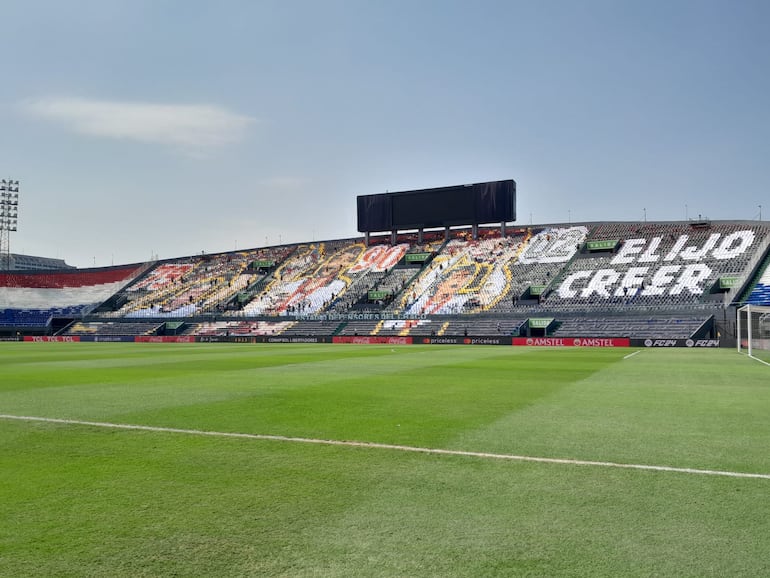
(9, 218)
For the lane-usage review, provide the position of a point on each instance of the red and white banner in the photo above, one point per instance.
(50, 289)
(57, 338)
(370, 340)
(164, 339)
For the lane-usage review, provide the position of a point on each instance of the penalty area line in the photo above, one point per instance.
(382, 446)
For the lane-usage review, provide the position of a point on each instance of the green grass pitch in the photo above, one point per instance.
(85, 500)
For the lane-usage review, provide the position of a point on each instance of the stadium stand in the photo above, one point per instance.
(238, 328)
(330, 276)
(404, 327)
(373, 278)
(663, 280)
(311, 328)
(307, 282)
(33, 298)
(760, 293)
(112, 328)
(653, 327)
(197, 285)
(358, 327)
(484, 326)
(18, 262)
(490, 274)
(659, 265)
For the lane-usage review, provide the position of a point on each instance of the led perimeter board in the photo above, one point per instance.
(475, 204)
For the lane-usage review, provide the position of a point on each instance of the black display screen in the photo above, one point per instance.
(491, 202)
(375, 213)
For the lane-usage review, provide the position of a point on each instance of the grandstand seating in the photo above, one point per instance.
(760, 294)
(32, 298)
(25, 317)
(308, 281)
(311, 328)
(485, 326)
(357, 327)
(404, 327)
(490, 274)
(105, 328)
(658, 265)
(374, 270)
(238, 328)
(652, 327)
(195, 285)
(485, 284)
(33, 263)
(325, 276)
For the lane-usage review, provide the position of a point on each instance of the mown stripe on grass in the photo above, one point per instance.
(374, 445)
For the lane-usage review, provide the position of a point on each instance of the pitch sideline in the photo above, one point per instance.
(395, 447)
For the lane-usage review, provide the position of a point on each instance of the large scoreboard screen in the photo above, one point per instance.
(490, 202)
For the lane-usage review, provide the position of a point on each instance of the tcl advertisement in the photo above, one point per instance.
(57, 338)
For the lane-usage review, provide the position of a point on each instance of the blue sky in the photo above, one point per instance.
(152, 127)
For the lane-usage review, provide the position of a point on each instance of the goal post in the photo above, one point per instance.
(752, 327)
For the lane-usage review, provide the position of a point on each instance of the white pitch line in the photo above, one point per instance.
(373, 445)
(760, 360)
(630, 355)
(754, 358)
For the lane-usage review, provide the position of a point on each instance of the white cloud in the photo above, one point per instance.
(193, 128)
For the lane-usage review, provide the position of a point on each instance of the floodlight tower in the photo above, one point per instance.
(9, 218)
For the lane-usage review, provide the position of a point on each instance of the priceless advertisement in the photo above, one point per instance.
(432, 340)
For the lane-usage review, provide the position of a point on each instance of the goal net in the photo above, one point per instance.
(753, 330)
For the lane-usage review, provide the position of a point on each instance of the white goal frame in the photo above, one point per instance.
(750, 310)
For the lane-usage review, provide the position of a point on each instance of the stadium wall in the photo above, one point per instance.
(376, 340)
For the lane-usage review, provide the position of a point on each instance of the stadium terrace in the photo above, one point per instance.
(652, 282)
